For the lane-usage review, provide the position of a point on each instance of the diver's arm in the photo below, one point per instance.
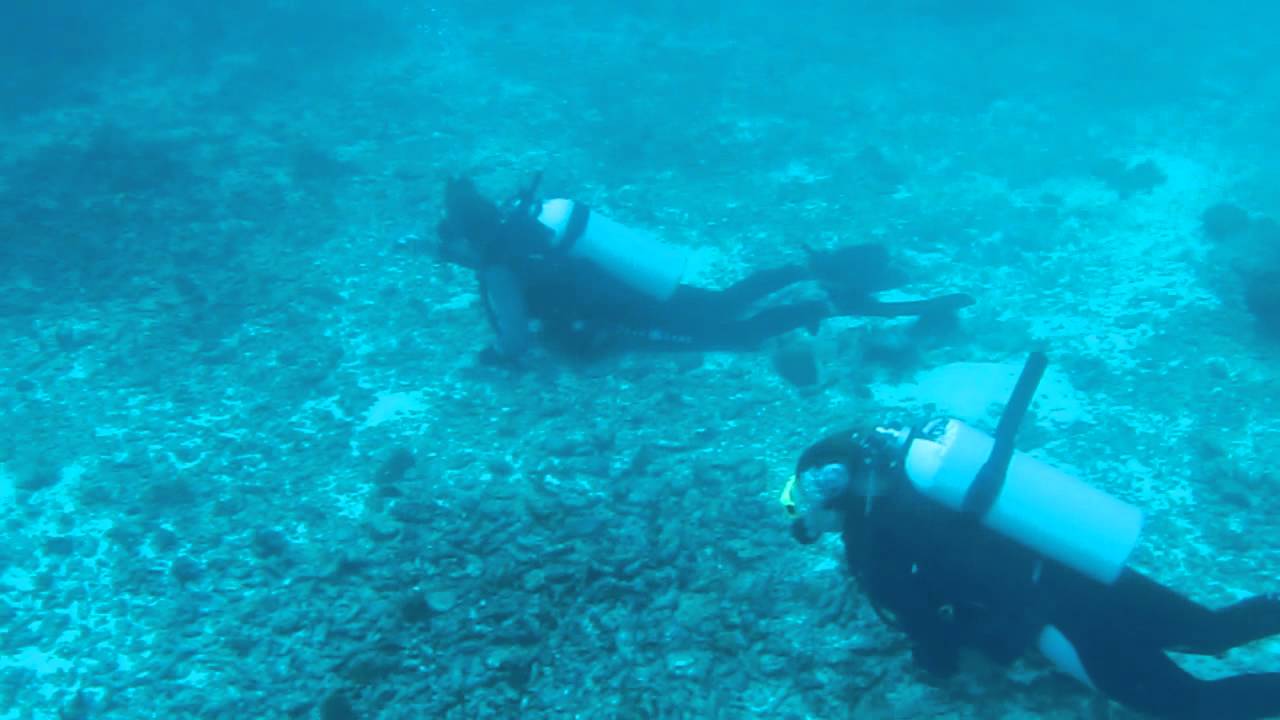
(904, 595)
(503, 296)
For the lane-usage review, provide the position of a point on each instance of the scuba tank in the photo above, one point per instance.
(1021, 497)
(635, 257)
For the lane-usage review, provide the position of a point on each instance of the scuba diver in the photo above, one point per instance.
(589, 285)
(959, 541)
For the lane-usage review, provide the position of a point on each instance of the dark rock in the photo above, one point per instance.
(393, 469)
(878, 171)
(797, 364)
(242, 644)
(66, 522)
(269, 543)
(1262, 297)
(934, 326)
(40, 478)
(337, 707)
(325, 295)
(1264, 241)
(126, 537)
(1266, 233)
(500, 468)
(515, 668)
(68, 340)
(80, 707)
(1128, 180)
(389, 491)
(1145, 177)
(165, 540)
(189, 290)
(287, 622)
(413, 511)
(347, 566)
(172, 493)
(368, 671)
(1224, 221)
(186, 570)
(62, 546)
(228, 506)
(416, 610)
(898, 354)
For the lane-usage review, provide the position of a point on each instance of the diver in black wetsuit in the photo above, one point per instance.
(958, 541)
(593, 286)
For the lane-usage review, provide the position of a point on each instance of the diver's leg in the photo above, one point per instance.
(1172, 621)
(1143, 678)
(774, 321)
(1243, 622)
(712, 332)
(734, 301)
(708, 328)
(757, 286)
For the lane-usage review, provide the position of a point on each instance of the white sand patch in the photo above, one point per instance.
(976, 392)
(36, 660)
(459, 301)
(395, 406)
(797, 172)
(17, 579)
(1130, 267)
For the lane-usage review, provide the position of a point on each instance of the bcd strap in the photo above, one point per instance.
(986, 486)
(576, 226)
(527, 199)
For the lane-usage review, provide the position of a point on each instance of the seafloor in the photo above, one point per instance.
(253, 469)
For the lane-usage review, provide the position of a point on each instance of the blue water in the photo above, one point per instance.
(250, 465)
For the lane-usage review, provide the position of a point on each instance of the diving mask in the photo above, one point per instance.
(838, 474)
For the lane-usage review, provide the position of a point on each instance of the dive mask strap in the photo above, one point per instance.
(525, 201)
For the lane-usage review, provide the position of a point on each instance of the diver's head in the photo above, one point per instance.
(471, 223)
(840, 474)
(817, 499)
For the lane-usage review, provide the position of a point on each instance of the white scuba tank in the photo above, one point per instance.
(1039, 506)
(637, 257)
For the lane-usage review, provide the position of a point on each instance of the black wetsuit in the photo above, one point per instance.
(583, 310)
(949, 582)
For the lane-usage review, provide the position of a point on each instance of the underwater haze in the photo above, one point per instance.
(252, 467)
